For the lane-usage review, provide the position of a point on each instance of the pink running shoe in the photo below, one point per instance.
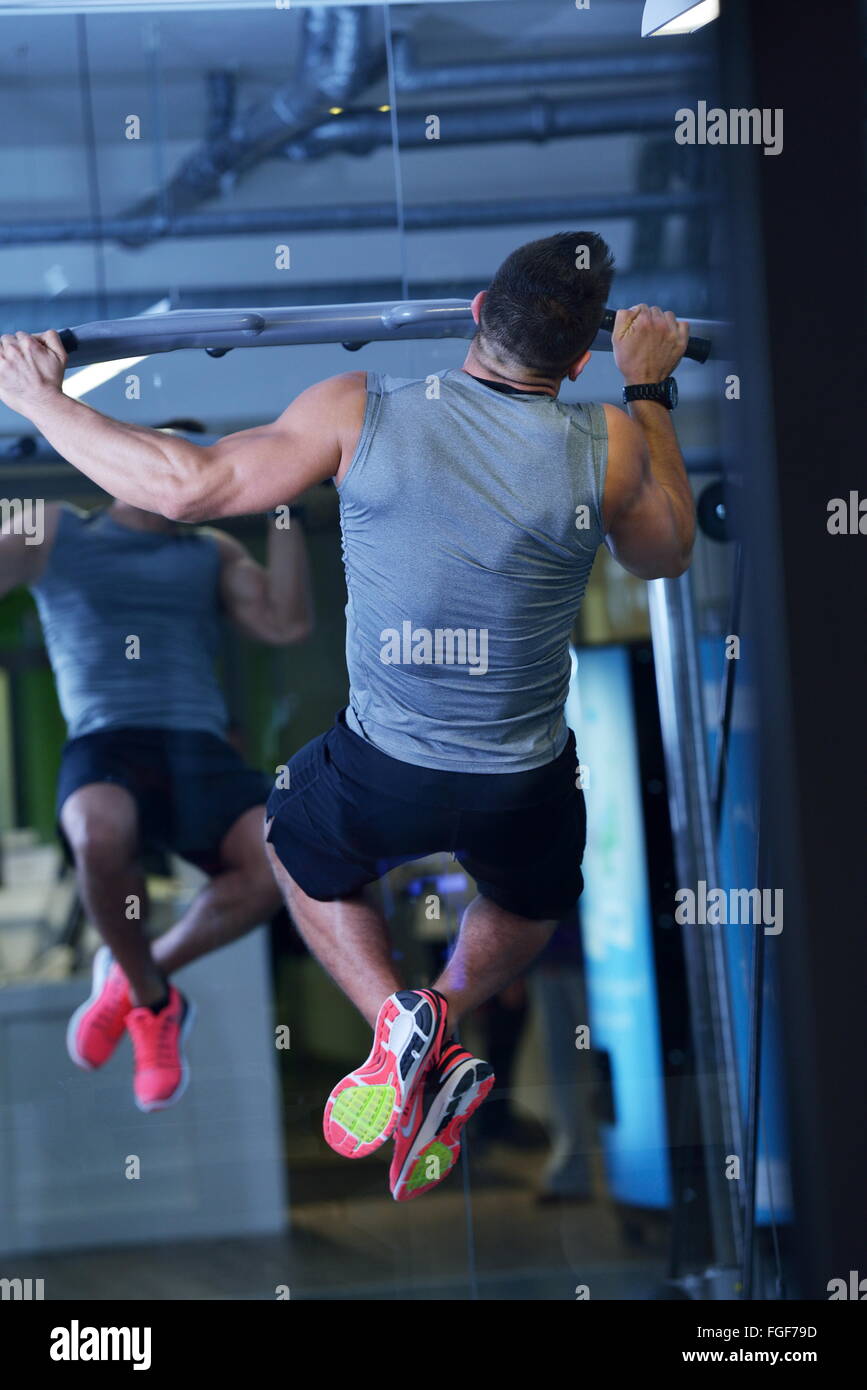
(427, 1141)
(161, 1068)
(363, 1108)
(98, 1024)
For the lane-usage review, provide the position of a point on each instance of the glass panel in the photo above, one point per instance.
(517, 121)
(307, 155)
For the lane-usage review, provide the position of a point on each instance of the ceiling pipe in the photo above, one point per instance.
(336, 62)
(537, 119)
(586, 67)
(352, 217)
(222, 93)
(338, 59)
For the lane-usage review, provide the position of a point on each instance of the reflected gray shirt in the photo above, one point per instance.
(105, 583)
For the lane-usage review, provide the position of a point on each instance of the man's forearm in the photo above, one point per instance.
(667, 466)
(140, 466)
(289, 588)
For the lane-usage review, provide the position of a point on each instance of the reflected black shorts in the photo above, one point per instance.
(190, 787)
(351, 812)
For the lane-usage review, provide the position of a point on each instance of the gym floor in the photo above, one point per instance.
(346, 1246)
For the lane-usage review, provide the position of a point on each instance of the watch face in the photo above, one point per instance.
(671, 391)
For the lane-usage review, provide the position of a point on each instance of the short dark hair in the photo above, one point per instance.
(544, 305)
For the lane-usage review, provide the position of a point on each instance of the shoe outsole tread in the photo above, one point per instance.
(363, 1109)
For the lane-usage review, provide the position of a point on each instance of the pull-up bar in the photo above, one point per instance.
(218, 331)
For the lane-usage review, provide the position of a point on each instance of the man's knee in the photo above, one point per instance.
(99, 846)
(258, 885)
(292, 894)
(264, 893)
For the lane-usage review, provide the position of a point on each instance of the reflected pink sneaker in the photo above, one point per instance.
(161, 1069)
(98, 1024)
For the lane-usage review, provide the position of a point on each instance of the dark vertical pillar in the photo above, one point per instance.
(797, 275)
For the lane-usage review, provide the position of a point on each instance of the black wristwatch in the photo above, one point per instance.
(663, 391)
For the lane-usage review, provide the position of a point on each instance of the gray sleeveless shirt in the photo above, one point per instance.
(105, 584)
(470, 522)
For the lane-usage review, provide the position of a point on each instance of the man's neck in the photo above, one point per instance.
(479, 365)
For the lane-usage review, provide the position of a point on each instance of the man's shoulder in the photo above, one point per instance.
(230, 549)
(627, 457)
(334, 400)
(589, 417)
(344, 386)
(37, 541)
(625, 440)
(352, 388)
(73, 524)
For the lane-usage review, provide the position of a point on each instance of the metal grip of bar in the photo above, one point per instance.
(697, 349)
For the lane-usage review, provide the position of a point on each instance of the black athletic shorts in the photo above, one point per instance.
(351, 812)
(190, 787)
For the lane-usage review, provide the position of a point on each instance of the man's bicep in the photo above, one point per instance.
(640, 525)
(643, 538)
(257, 469)
(243, 581)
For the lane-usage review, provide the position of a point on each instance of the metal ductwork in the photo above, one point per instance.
(336, 62)
(538, 119)
(353, 217)
(591, 67)
(222, 87)
(338, 59)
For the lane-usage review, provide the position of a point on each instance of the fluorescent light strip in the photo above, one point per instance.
(658, 21)
(97, 374)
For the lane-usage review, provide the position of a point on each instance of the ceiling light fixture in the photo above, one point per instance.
(664, 17)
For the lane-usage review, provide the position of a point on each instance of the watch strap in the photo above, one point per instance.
(650, 391)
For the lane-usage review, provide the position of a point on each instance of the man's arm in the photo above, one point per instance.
(22, 561)
(648, 508)
(272, 604)
(251, 471)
